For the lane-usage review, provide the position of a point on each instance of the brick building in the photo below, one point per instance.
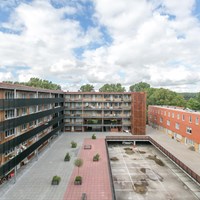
(180, 124)
(31, 117)
(98, 111)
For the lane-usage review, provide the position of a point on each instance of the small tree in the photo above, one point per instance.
(94, 137)
(78, 163)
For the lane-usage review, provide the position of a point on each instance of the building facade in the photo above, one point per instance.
(98, 111)
(29, 119)
(180, 124)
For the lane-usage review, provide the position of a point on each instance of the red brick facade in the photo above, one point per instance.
(181, 124)
(138, 113)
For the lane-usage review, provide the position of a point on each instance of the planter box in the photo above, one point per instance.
(54, 182)
(77, 182)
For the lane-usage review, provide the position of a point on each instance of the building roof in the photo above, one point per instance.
(27, 88)
(102, 92)
(177, 108)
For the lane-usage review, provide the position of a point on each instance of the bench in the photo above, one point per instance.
(88, 146)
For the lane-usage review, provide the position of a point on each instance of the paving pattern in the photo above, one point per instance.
(96, 181)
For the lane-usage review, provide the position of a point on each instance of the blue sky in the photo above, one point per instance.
(75, 42)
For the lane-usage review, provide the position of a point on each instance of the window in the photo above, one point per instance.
(40, 120)
(40, 108)
(9, 151)
(165, 113)
(24, 111)
(161, 119)
(9, 95)
(24, 126)
(9, 114)
(188, 130)
(9, 132)
(32, 109)
(168, 114)
(190, 119)
(178, 116)
(30, 124)
(183, 117)
(168, 123)
(188, 141)
(172, 115)
(197, 120)
(177, 126)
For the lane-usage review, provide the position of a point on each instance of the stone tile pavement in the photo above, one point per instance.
(34, 182)
(96, 180)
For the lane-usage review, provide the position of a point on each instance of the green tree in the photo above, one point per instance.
(139, 87)
(193, 104)
(78, 163)
(163, 96)
(87, 88)
(112, 88)
(36, 82)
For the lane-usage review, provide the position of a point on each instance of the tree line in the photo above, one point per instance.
(40, 83)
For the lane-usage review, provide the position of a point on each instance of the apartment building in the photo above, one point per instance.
(101, 111)
(29, 119)
(180, 124)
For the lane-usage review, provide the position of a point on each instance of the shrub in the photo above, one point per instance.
(73, 144)
(78, 180)
(55, 180)
(78, 163)
(67, 157)
(94, 137)
(96, 157)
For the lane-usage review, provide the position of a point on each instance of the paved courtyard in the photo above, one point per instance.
(34, 182)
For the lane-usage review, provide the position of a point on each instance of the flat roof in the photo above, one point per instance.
(176, 108)
(27, 88)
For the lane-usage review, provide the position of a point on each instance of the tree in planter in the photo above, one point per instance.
(78, 163)
(96, 157)
(67, 157)
(55, 180)
(94, 137)
(73, 144)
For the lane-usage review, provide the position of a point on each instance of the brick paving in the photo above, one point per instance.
(95, 175)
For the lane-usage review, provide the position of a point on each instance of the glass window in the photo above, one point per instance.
(188, 130)
(177, 126)
(190, 119)
(197, 120)
(168, 123)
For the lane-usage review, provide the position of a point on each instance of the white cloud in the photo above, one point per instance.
(148, 44)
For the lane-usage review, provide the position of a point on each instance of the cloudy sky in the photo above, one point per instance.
(75, 42)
